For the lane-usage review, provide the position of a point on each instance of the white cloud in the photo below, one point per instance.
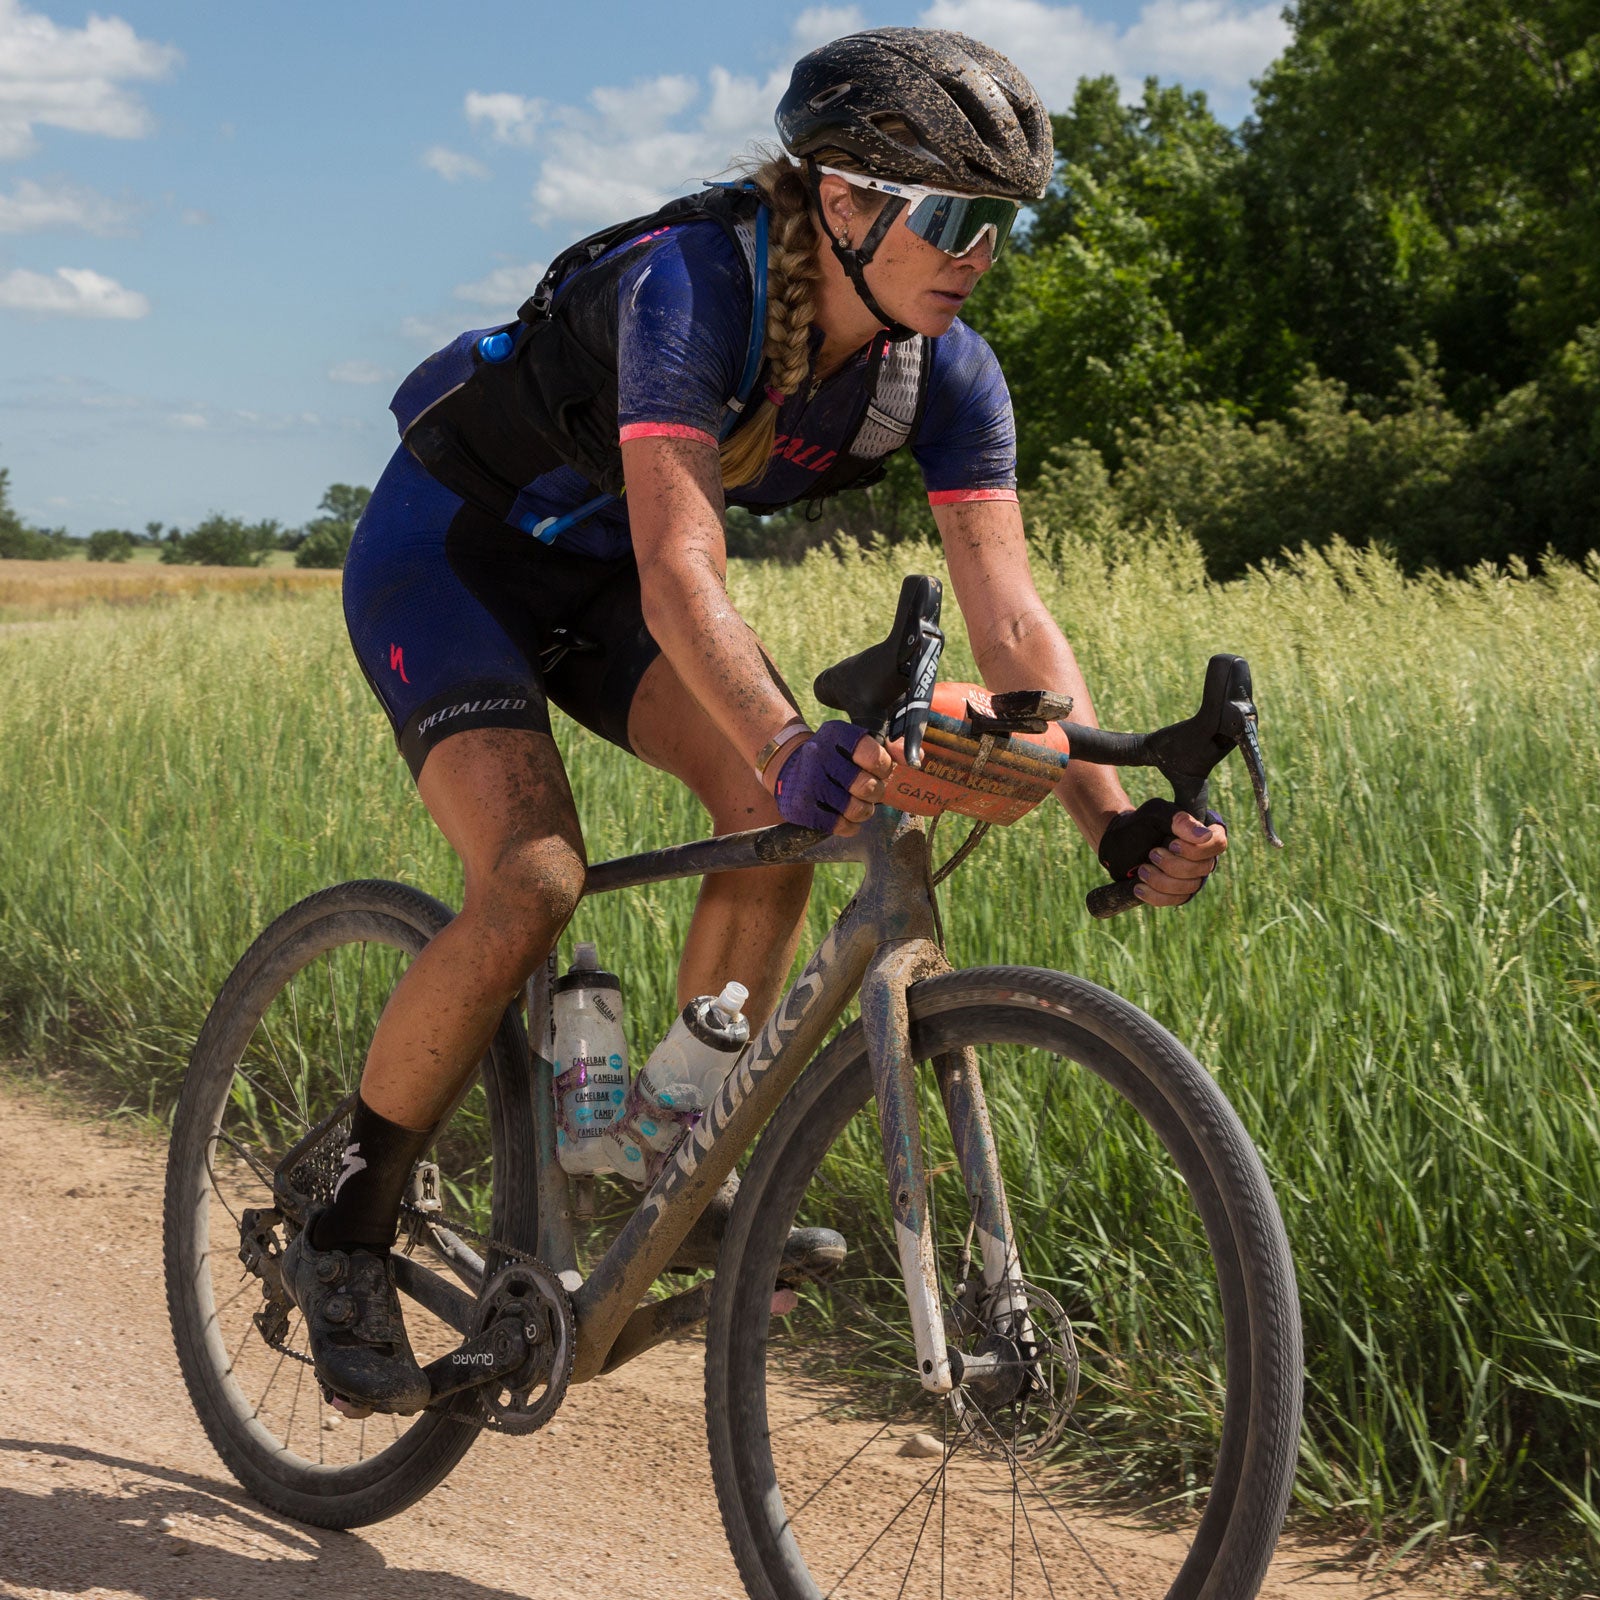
(194, 421)
(72, 77)
(1216, 45)
(451, 165)
(359, 372)
(70, 292)
(1207, 42)
(511, 118)
(435, 332)
(503, 289)
(35, 207)
(622, 152)
(194, 217)
(628, 148)
(819, 24)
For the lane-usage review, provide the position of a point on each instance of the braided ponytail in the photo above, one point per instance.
(792, 277)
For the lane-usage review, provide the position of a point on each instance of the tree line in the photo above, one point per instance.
(218, 541)
(1371, 311)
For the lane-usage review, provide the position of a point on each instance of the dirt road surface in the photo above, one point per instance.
(108, 1487)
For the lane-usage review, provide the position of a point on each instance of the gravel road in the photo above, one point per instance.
(108, 1487)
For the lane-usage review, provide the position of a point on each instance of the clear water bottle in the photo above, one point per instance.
(591, 1054)
(676, 1084)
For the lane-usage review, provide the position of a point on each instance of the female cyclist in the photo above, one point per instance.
(909, 152)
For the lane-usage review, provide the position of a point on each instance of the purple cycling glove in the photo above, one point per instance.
(814, 786)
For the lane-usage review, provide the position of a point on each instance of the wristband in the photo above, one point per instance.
(773, 745)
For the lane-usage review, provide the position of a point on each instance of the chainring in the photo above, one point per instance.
(529, 1292)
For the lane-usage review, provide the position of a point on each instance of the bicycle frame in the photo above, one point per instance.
(885, 940)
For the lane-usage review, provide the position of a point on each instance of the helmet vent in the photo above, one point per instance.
(821, 102)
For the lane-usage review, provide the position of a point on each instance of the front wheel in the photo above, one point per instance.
(281, 1050)
(1138, 1439)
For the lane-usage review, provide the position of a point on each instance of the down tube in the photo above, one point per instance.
(693, 1173)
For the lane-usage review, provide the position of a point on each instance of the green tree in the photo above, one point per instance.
(221, 542)
(111, 544)
(1082, 333)
(1430, 173)
(327, 538)
(19, 542)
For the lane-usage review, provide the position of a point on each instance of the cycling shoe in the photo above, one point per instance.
(352, 1312)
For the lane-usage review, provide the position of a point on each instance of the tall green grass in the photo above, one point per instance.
(1402, 1004)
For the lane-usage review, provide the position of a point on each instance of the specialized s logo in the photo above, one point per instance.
(353, 1163)
(397, 662)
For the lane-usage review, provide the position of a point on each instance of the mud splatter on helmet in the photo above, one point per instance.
(974, 121)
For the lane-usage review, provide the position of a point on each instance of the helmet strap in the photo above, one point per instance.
(855, 260)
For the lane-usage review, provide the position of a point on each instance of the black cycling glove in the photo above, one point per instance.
(1128, 840)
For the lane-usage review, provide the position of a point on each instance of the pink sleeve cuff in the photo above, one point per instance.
(666, 430)
(954, 497)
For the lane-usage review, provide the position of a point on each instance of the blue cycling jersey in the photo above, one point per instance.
(683, 323)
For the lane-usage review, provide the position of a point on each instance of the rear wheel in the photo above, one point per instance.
(1138, 1436)
(283, 1046)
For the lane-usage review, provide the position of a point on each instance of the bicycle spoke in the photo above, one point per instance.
(933, 1499)
(838, 1471)
(1019, 1465)
(915, 1495)
(338, 1031)
(249, 1156)
(294, 1407)
(262, 1089)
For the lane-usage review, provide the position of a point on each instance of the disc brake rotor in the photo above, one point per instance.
(1019, 1397)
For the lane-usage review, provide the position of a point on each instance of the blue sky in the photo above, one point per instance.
(227, 231)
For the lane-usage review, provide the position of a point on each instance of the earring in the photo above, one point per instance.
(844, 240)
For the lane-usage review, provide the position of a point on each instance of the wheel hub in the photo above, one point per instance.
(1019, 1374)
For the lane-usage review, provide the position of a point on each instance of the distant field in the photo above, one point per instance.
(33, 589)
(1402, 1004)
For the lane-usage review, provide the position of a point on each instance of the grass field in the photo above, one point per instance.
(1404, 1004)
(30, 590)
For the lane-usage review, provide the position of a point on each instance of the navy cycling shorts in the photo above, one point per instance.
(461, 621)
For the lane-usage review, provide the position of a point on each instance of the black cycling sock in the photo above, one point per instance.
(372, 1182)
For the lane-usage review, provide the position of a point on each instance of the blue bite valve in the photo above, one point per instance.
(495, 347)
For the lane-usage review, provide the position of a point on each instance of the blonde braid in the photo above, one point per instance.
(792, 278)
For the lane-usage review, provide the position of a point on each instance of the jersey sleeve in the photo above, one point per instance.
(683, 321)
(967, 443)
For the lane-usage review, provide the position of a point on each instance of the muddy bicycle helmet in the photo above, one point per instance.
(919, 106)
(979, 126)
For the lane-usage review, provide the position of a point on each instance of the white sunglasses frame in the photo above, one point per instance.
(914, 193)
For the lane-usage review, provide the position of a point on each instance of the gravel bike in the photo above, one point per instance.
(1061, 1353)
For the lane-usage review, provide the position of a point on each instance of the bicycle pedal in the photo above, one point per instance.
(811, 1255)
(346, 1408)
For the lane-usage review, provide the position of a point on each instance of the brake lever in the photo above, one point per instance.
(1186, 754)
(1240, 728)
(919, 665)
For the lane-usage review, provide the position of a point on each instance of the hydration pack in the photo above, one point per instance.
(541, 392)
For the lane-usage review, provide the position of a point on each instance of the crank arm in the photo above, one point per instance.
(501, 1348)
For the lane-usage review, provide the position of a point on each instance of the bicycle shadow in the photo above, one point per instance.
(85, 1520)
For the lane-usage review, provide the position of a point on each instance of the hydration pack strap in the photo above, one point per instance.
(752, 239)
(898, 386)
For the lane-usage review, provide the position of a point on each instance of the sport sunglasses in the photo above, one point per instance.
(954, 223)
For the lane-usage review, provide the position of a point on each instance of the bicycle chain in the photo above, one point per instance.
(465, 1231)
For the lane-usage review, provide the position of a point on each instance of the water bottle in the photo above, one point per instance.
(676, 1084)
(591, 1062)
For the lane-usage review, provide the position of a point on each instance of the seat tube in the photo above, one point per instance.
(557, 1246)
(896, 966)
(961, 1089)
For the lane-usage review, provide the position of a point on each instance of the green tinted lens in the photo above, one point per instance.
(954, 223)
